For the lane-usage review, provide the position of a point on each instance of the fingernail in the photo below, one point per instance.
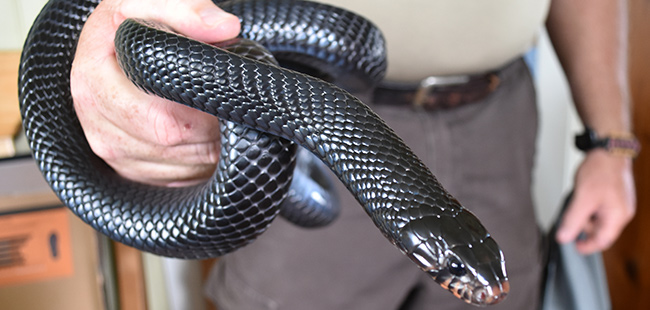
(213, 16)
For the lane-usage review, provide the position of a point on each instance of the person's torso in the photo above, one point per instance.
(451, 37)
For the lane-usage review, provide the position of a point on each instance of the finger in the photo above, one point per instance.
(146, 117)
(576, 218)
(607, 226)
(151, 163)
(199, 19)
(164, 174)
(113, 144)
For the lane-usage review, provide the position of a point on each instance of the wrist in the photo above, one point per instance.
(608, 160)
(622, 144)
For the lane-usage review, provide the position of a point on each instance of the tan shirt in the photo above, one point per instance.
(449, 37)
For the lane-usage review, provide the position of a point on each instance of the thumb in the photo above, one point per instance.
(199, 19)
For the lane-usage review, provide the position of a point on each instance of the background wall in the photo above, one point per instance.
(16, 17)
(557, 157)
(556, 161)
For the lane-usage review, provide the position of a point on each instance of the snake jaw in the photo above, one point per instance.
(459, 254)
(485, 281)
(472, 288)
(481, 284)
(491, 295)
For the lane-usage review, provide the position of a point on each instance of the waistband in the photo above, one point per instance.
(444, 92)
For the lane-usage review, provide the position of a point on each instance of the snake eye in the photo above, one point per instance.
(456, 267)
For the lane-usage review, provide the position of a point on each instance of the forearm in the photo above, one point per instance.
(590, 38)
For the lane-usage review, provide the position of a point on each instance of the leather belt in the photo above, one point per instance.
(438, 92)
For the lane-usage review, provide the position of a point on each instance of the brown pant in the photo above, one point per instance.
(483, 153)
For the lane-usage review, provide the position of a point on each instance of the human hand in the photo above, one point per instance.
(604, 201)
(145, 138)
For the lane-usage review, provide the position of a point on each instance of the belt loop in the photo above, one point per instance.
(494, 80)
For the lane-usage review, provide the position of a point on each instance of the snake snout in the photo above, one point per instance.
(491, 295)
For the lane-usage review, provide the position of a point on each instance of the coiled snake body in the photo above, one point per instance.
(269, 109)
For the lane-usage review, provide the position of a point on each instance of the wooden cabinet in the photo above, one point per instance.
(628, 261)
(10, 120)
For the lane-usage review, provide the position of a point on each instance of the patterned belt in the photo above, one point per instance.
(438, 92)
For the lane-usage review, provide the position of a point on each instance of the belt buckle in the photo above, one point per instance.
(432, 82)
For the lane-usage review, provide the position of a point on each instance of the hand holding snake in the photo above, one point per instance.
(143, 137)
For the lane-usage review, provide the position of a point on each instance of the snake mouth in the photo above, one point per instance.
(479, 296)
(490, 295)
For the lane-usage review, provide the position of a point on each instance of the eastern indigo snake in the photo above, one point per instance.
(285, 108)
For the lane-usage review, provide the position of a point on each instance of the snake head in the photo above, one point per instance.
(474, 273)
(459, 254)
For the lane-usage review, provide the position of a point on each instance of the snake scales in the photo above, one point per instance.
(269, 110)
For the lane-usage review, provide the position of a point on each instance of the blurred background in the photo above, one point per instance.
(50, 260)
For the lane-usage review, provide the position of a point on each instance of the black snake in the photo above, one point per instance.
(285, 108)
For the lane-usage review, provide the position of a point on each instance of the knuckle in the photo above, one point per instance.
(211, 153)
(103, 150)
(166, 129)
(605, 242)
(78, 89)
(107, 145)
(629, 215)
(167, 138)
